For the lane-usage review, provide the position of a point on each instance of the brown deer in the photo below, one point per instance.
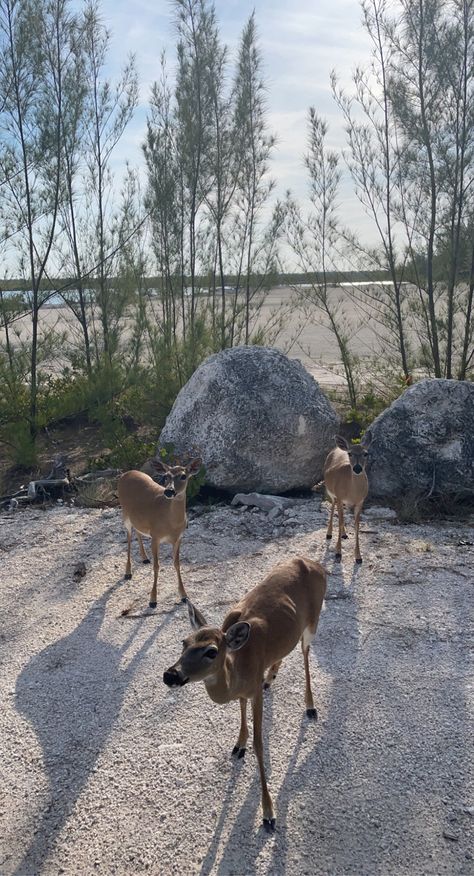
(256, 635)
(158, 510)
(346, 484)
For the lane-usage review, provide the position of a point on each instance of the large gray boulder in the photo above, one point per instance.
(423, 444)
(260, 421)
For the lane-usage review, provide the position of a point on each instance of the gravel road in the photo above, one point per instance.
(106, 771)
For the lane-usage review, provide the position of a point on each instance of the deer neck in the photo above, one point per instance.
(219, 685)
(360, 485)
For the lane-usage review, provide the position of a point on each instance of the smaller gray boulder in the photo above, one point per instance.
(259, 420)
(423, 444)
(265, 503)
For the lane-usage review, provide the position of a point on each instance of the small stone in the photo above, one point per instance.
(273, 513)
(79, 570)
(451, 835)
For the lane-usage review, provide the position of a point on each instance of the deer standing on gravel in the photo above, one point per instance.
(346, 484)
(256, 635)
(156, 510)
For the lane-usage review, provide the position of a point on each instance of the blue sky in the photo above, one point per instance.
(301, 43)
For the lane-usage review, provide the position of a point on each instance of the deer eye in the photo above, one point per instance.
(182, 477)
(211, 653)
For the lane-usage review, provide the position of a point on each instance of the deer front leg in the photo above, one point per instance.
(308, 696)
(331, 515)
(143, 552)
(240, 747)
(155, 550)
(357, 513)
(267, 805)
(340, 514)
(128, 567)
(181, 590)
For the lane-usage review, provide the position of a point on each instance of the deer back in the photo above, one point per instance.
(279, 610)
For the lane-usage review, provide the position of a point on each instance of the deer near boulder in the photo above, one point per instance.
(256, 635)
(346, 483)
(157, 510)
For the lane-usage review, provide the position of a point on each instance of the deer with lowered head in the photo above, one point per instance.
(157, 510)
(255, 636)
(346, 484)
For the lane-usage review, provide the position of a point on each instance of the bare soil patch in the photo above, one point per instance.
(104, 770)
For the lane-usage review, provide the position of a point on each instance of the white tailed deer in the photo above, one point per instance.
(346, 484)
(256, 635)
(156, 510)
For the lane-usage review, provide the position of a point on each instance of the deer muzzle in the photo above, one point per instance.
(174, 678)
(169, 493)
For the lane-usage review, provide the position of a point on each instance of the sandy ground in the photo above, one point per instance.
(301, 338)
(104, 770)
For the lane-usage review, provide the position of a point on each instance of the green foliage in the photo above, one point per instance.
(129, 451)
(14, 422)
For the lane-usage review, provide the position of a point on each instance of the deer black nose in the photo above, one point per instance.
(357, 468)
(169, 493)
(173, 678)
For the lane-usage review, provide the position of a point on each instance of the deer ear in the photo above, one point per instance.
(193, 467)
(159, 465)
(196, 619)
(341, 442)
(237, 635)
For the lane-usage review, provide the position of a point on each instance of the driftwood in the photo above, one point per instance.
(59, 484)
(106, 473)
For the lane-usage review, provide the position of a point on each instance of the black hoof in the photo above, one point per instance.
(338, 558)
(184, 599)
(152, 604)
(328, 537)
(269, 825)
(359, 561)
(240, 752)
(146, 562)
(345, 535)
(312, 714)
(127, 576)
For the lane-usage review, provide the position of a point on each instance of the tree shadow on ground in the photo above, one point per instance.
(71, 694)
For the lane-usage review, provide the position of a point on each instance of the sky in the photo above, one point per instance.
(301, 42)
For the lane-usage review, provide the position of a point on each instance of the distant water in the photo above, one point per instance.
(51, 299)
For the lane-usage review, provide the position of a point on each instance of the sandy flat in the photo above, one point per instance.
(104, 770)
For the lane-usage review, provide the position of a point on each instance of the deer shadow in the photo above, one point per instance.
(71, 694)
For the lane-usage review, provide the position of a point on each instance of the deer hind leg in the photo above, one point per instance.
(357, 513)
(267, 805)
(155, 551)
(182, 591)
(340, 514)
(271, 674)
(128, 567)
(331, 515)
(306, 639)
(143, 552)
(240, 747)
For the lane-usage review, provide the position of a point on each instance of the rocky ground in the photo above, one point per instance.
(104, 770)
